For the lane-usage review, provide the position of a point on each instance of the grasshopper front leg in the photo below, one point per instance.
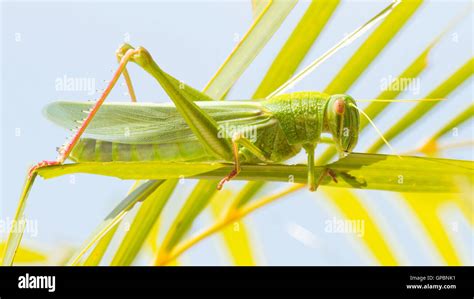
(314, 182)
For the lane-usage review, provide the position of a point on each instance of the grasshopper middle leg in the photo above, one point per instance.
(239, 139)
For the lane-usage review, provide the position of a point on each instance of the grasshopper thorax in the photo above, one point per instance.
(304, 116)
(300, 115)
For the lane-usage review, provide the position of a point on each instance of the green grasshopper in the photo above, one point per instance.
(265, 131)
(196, 128)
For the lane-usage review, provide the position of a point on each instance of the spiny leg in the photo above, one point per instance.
(66, 150)
(123, 62)
(202, 125)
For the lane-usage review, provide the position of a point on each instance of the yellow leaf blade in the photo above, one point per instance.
(236, 237)
(426, 207)
(373, 237)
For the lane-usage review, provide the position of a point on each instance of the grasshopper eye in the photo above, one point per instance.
(342, 122)
(339, 106)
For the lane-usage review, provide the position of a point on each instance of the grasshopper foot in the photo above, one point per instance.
(327, 172)
(332, 174)
(227, 178)
(41, 164)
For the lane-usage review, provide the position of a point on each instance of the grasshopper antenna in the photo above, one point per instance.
(355, 35)
(377, 130)
(401, 100)
(343, 43)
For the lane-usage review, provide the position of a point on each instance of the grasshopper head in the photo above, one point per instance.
(342, 121)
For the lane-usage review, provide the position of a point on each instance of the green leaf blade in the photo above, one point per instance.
(372, 47)
(141, 226)
(422, 108)
(361, 171)
(297, 46)
(255, 39)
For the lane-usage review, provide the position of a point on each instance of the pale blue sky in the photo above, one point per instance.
(44, 41)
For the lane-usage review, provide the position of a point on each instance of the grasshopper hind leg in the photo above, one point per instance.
(124, 54)
(121, 51)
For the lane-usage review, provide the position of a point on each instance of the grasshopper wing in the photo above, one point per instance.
(148, 123)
